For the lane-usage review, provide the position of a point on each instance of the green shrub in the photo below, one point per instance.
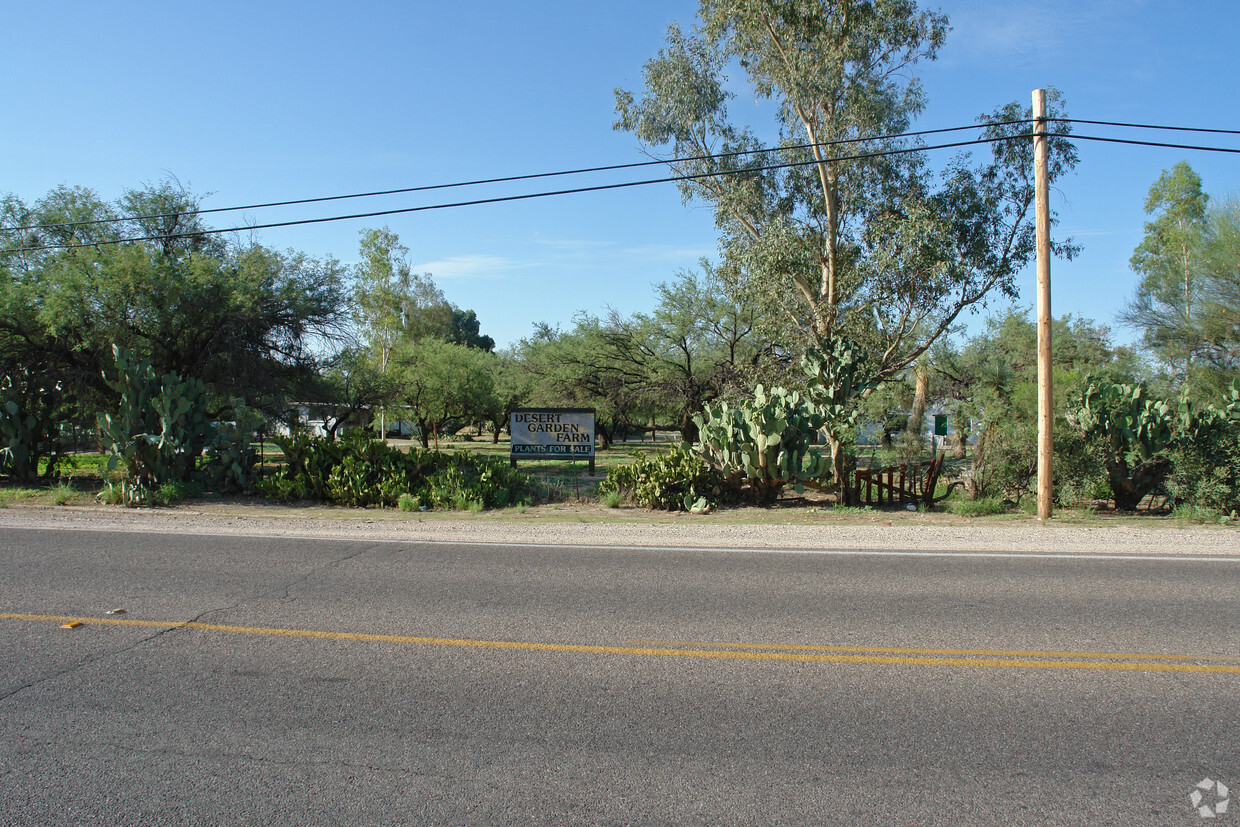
(678, 480)
(171, 492)
(62, 493)
(1206, 456)
(358, 471)
(113, 493)
(1005, 462)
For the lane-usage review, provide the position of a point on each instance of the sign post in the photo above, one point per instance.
(552, 433)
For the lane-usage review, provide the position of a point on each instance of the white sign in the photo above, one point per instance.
(552, 432)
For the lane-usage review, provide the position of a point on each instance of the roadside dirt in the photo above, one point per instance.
(805, 527)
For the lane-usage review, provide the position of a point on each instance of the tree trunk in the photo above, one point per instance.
(839, 469)
(920, 395)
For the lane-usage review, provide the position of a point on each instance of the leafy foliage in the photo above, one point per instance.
(1206, 456)
(358, 471)
(237, 316)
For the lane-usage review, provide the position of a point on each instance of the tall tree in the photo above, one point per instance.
(464, 329)
(1168, 306)
(839, 233)
(392, 304)
(1221, 296)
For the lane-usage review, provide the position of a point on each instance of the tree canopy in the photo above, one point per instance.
(244, 318)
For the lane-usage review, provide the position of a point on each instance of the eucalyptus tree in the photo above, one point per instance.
(1168, 306)
(1221, 262)
(841, 235)
(392, 305)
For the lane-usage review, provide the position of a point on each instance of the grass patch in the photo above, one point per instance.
(62, 493)
(1198, 515)
(981, 507)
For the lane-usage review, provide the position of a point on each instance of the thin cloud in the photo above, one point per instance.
(470, 267)
(1019, 32)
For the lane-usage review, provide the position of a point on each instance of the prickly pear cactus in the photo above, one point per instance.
(232, 462)
(159, 431)
(1133, 434)
(763, 444)
(28, 425)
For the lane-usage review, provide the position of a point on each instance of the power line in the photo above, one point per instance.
(1159, 144)
(522, 197)
(1148, 126)
(642, 164)
(626, 185)
(515, 178)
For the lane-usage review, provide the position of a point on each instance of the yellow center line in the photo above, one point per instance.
(906, 651)
(713, 654)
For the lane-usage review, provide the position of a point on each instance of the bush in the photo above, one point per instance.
(1005, 462)
(1205, 458)
(357, 471)
(62, 493)
(679, 480)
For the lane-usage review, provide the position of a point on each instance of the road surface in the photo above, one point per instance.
(255, 679)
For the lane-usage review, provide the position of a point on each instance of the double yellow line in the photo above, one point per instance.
(798, 653)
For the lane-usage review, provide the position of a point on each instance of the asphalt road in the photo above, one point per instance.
(333, 682)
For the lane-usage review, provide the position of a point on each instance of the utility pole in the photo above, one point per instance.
(1046, 394)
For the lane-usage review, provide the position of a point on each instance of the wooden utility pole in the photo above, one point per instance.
(1046, 394)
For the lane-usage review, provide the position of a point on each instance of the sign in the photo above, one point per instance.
(546, 433)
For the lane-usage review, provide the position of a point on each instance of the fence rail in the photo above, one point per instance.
(899, 484)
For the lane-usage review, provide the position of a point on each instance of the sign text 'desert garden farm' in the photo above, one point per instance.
(565, 433)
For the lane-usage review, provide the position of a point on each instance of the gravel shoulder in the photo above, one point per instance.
(589, 525)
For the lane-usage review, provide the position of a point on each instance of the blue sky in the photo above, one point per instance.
(261, 101)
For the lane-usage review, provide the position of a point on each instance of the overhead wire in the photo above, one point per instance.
(1156, 127)
(609, 168)
(514, 178)
(625, 184)
(520, 197)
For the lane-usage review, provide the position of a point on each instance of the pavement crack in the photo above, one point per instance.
(283, 592)
(284, 589)
(92, 660)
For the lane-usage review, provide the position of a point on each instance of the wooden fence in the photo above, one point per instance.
(899, 484)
